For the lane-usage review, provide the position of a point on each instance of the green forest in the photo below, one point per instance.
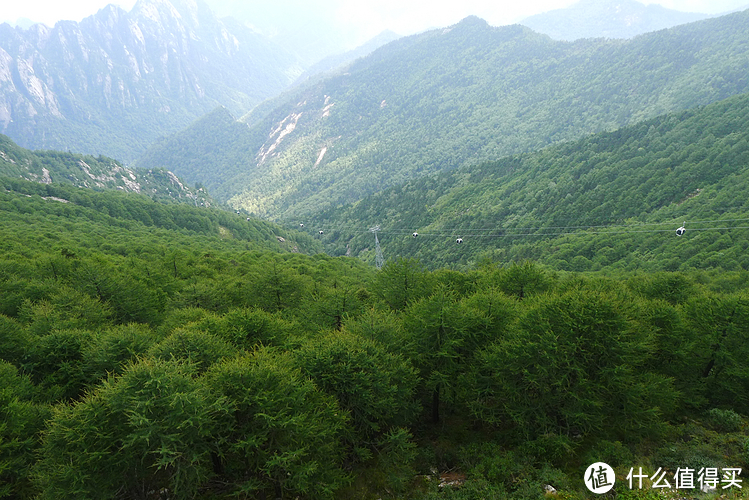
(445, 99)
(153, 351)
(609, 201)
(535, 313)
(98, 173)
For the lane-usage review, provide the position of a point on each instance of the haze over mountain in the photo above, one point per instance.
(607, 19)
(465, 94)
(301, 27)
(337, 61)
(116, 81)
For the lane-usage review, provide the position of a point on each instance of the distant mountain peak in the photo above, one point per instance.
(607, 19)
(473, 21)
(118, 80)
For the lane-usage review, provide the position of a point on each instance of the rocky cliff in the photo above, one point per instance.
(118, 80)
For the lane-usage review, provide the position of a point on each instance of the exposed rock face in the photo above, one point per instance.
(116, 81)
(99, 173)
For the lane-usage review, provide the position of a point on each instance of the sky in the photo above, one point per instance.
(372, 16)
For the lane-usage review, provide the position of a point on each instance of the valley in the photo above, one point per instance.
(464, 263)
(437, 101)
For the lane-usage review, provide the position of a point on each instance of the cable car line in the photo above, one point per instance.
(536, 231)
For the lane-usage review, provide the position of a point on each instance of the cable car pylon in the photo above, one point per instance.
(379, 259)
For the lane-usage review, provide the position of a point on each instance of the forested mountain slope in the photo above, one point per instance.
(138, 361)
(611, 200)
(71, 216)
(438, 100)
(116, 81)
(100, 173)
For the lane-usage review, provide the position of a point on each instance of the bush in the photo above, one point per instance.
(575, 366)
(153, 428)
(724, 420)
(284, 435)
(21, 423)
(55, 362)
(191, 344)
(613, 453)
(375, 386)
(112, 350)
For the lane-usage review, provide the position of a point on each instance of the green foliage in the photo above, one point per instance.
(21, 422)
(111, 211)
(193, 345)
(153, 428)
(521, 280)
(718, 342)
(445, 99)
(285, 436)
(13, 340)
(724, 420)
(672, 287)
(401, 282)
(614, 453)
(141, 359)
(446, 334)
(56, 363)
(102, 173)
(610, 201)
(114, 348)
(373, 385)
(66, 308)
(249, 328)
(694, 446)
(395, 459)
(572, 368)
(279, 289)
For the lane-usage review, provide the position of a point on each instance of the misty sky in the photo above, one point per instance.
(368, 17)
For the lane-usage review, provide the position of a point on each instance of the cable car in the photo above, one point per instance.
(415, 235)
(681, 230)
(301, 225)
(320, 231)
(459, 241)
(248, 219)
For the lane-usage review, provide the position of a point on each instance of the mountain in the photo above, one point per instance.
(118, 80)
(336, 61)
(57, 216)
(310, 30)
(435, 101)
(607, 19)
(611, 200)
(100, 173)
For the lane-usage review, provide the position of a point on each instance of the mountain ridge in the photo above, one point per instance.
(99, 174)
(464, 94)
(608, 19)
(116, 81)
(610, 200)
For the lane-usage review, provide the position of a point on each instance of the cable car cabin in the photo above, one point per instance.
(415, 235)
(301, 225)
(321, 231)
(459, 241)
(681, 230)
